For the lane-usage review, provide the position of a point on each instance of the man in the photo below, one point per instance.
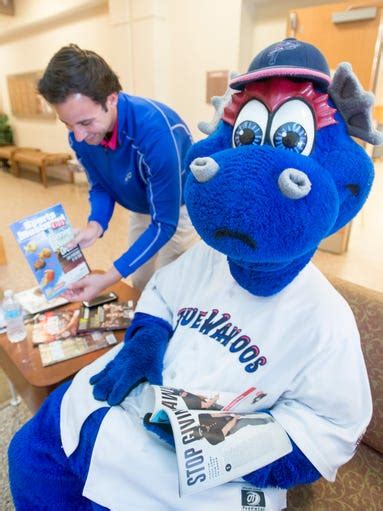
(132, 150)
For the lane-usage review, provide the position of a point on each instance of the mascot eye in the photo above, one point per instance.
(250, 125)
(290, 135)
(293, 127)
(246, 133)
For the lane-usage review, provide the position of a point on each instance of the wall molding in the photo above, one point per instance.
(90, 7)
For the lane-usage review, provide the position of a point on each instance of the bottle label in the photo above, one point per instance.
(11, 314)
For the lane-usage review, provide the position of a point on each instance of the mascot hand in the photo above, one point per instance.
(140, 359)
(286, 472)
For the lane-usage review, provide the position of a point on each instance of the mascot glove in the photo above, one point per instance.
(140, 359)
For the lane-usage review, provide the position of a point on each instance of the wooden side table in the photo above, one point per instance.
(22, 364)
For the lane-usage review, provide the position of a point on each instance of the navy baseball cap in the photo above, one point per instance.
(289, 58)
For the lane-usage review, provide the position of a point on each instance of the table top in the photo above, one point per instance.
(26, 356)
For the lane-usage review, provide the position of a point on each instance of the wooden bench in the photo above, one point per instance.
(39, 159)
(6, 153)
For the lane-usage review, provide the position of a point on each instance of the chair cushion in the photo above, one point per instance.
(359, 485)
(367, 306)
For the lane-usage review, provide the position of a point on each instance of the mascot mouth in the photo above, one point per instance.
(227, 233)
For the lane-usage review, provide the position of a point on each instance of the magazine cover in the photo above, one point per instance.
(109, 316)
(33, 301)
(55, 325)
(214, 446)
(42, 238)
(58, 351)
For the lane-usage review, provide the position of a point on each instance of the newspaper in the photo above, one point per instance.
(42, 238)
(216, 440)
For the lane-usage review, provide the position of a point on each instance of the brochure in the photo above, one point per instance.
(54, 326)
(33, 301)
(213, 445)
(109, 316)
(58, 351)
(43, 238)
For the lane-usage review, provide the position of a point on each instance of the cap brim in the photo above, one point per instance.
(322, 79)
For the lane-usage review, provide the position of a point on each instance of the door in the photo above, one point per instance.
(348, 32)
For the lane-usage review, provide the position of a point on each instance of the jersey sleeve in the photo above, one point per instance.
(328, 406)
(161, 148)
(101, 203)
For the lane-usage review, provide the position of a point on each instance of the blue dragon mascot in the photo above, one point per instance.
(244, 308)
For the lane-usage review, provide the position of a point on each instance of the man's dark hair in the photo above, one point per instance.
(73, 70)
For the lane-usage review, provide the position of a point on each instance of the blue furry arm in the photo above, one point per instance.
(140, 359)
(286, 472)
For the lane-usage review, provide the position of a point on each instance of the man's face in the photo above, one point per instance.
(89, 121)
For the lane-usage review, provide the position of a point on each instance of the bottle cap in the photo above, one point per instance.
(8, 293)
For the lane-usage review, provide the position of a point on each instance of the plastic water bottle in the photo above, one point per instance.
(13, 315)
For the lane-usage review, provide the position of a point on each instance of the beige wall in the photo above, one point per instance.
(204, 37)
(159, 48)
(33, 51)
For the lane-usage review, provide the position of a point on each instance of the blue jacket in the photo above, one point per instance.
(144, 174)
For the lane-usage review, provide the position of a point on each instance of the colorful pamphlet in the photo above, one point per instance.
(55, 325)
(43, 238)
(33, 301)
(58, 351)
(109, 316)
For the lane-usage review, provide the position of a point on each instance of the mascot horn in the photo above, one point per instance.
(243, 309)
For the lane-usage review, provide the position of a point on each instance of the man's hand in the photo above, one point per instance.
(87, 236)
(91, 285)
(139, 360)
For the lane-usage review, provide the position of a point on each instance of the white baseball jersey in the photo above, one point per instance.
(299, 347)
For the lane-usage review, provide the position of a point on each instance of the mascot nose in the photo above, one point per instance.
(294, 184)
(204, 169)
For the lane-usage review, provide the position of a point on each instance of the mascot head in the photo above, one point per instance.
(279, 170)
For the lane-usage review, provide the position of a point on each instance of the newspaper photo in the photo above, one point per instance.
(42, 238)
(216, 441)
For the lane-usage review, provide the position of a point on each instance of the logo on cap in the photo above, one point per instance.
(278, 48)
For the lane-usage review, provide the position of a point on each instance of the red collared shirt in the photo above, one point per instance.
(112, 142)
